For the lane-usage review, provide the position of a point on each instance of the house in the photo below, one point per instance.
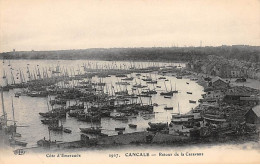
(225, 70)
(235, 73)
(253, 115)
(213, 94)
(257, 75)
(219, 83)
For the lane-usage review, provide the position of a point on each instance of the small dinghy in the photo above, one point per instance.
(168, 108)
(119, 129)
(192, 101)
(132, 125)
(66, 130)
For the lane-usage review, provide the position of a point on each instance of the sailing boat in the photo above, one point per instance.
(46, 143)
(175, 91)
(12, 140)
(167, 93)
(3, 120)
(55, 126)
(91, 130)
(168, 108)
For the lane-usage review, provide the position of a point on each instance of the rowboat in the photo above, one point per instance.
(192, 101)
(119, 129)
(66, 130)
(168, 108)
(132, 125)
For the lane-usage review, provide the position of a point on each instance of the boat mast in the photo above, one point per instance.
(165, 86)
(179, 109)
(49, 134)
(171, 85)
(3, 107)
(13, 110)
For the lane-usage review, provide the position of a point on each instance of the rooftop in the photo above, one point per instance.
(256, 109)
(218, 78)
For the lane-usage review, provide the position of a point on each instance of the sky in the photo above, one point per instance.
(82, 24)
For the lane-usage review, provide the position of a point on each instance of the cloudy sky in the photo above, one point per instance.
(76, 24)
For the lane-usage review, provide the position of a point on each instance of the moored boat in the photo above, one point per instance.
(119, 129)
(91, 130)
(16, 142)
(168, 108)
(66, 130)
(167, 97)
(132, 125)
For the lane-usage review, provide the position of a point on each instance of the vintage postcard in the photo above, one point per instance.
(130, 82)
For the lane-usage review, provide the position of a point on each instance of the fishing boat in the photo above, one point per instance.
(17, 94)
(157, 126)
(58, 101)
(91, 130)
(147, 79)
(169, 93)
(119, 129)
(37, 94)
(122, 83)
(45, 143)
(50, 121)
(120, 117)
(89, 117)
(53, 114)
(162, 78)
(149, 92)
(168, 108)
(139, 86)
(144, 95)
(192, 101)
(121, 75)
(75, 113)
(151, 82)
(55, 127)
(128, 79)
(13, 141)
(132, 125)
(66, 130)
(189, 92)
(12, 129)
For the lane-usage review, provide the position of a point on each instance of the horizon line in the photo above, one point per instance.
(32, 50)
